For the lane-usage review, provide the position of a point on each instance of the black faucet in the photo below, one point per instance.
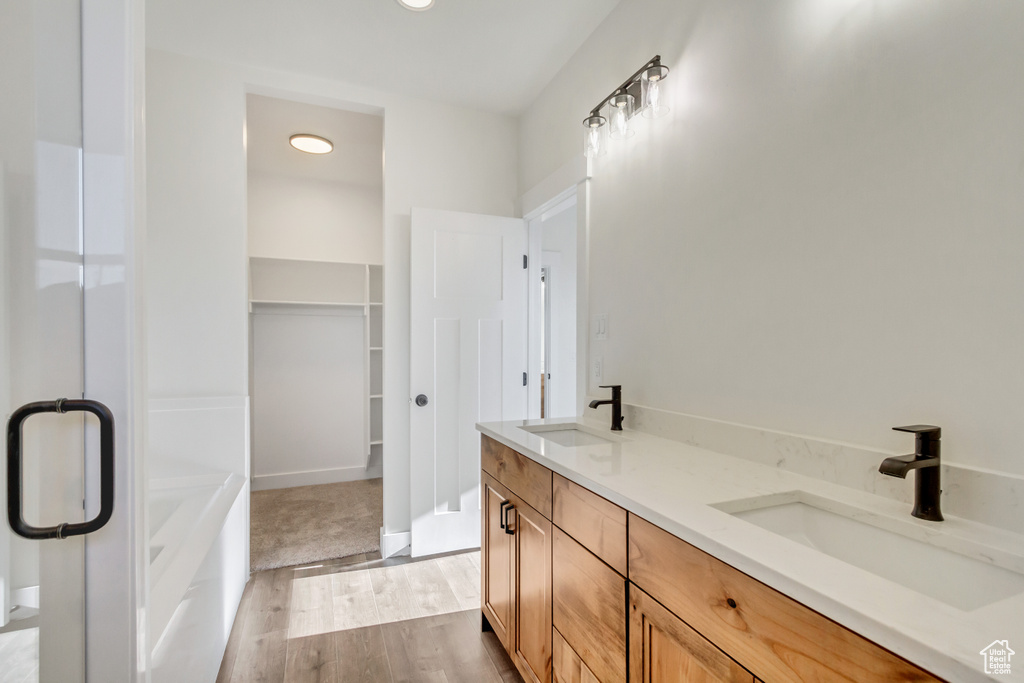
(924, 459)
(616, 401)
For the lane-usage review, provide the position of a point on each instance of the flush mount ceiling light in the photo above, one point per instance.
(644, 86)
(416, 5)
(311, 144)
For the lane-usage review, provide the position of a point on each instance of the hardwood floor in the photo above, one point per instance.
(19, 652)
(365, 619)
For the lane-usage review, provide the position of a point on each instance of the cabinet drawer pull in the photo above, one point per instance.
(501, 513)
(508, 525)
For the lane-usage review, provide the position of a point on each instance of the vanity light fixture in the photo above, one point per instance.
(596, 129)
(311, 144)
(650, 85)
(644, 86)
(416, 5)
(622, 111)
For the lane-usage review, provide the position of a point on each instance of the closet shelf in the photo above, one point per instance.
(337, 304)
(328, 288)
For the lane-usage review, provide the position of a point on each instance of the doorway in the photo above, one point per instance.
(315, 250)
(557, 302)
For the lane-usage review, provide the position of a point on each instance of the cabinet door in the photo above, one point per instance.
(496, 561)
(532, 583)
(566, 665)
(663, 649)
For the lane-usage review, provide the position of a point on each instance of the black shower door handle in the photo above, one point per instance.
(14, 468)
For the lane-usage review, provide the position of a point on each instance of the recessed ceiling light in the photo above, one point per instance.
(311, 144)
(416, 5)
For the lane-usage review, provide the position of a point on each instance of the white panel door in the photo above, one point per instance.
(468, 310)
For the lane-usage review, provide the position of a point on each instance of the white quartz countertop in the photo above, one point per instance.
(675, 485)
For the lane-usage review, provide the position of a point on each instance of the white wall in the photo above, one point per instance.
(824, 236)
(438, 156)
(196, 288)
(309, 397)
(197, 369)
(311, 219)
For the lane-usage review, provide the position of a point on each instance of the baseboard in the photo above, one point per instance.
(286, 480)
(395, 544)
(26, 597)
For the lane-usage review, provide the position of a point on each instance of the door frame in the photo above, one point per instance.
(569, 183)
(113, 98)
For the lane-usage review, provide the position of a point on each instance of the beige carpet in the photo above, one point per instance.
(312, 523)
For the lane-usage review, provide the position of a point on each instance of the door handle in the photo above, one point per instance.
(501, 513)
(14, 462)
(507, 525)
(421, 400)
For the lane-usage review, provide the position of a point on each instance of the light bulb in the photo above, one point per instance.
(651, 85)
(593, 141)
(622, 109)
(653, 95)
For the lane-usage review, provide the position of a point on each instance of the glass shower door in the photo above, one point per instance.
(42, 587)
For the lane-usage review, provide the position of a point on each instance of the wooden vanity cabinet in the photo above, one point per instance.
(527, 479)
(566, 665)
(589, 588)
(664, 649)
(579, 591)
(589, 608)
(764, 631)
(516, 557)
(598, 524)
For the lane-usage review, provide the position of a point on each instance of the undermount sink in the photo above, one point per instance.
(875, 544)
(571, 434)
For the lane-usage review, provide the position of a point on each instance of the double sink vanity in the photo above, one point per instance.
(614, 556)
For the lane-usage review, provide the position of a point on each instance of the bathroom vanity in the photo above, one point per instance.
(621, 556)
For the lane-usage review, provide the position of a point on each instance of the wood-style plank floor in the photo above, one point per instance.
(19, 653)
(365, 619)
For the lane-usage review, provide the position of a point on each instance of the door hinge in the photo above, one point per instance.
(526, 261)
(524, 379)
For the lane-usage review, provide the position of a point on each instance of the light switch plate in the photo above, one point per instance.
(601, 326)
(597, 369)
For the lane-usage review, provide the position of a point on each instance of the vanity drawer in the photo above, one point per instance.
(775, 637)
(527, 479)
(588, 607)
(598, 524)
